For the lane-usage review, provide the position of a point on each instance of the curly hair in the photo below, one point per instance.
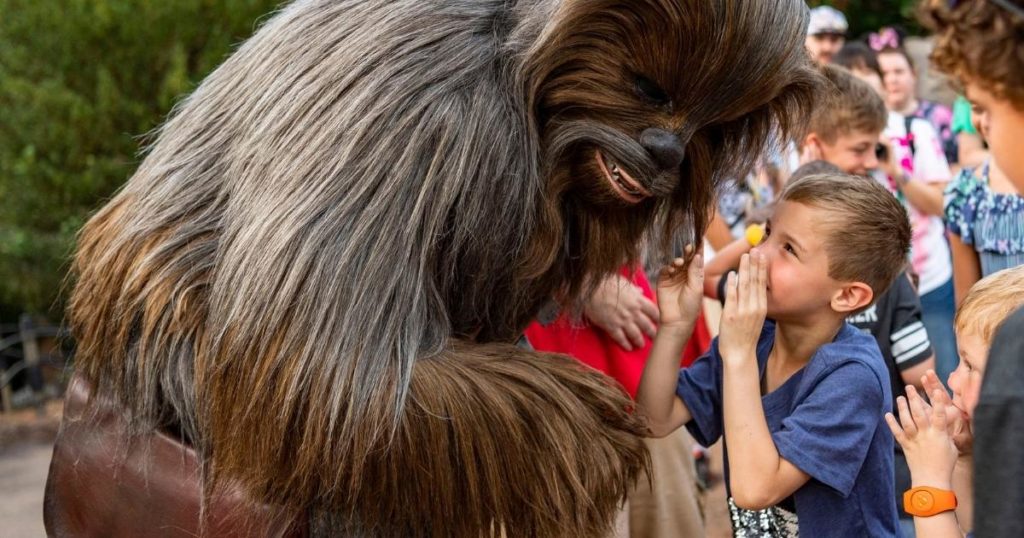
(981, 42)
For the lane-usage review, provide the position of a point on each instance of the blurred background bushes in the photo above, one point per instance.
(81, 83)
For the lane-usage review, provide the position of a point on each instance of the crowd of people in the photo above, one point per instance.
(873, 269)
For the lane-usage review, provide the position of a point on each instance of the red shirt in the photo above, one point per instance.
(593, 347)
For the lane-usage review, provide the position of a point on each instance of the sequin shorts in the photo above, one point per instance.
(771, 522)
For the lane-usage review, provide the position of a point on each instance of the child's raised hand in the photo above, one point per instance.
(679, 293)
(746, 305)
(922, 432)
(958, 423)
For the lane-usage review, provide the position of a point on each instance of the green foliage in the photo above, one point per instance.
(81, 83)
(870, 15)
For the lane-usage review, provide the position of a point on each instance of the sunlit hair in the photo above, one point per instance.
(989, 302)
(815, 168)
(867, 232)
(848, 106)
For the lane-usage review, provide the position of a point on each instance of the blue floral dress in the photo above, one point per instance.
(992, 222)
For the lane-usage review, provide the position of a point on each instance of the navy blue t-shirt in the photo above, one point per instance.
(828, 420)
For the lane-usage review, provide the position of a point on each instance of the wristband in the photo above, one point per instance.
(925, 501)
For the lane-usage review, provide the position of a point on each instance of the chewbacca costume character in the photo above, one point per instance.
(303, 305)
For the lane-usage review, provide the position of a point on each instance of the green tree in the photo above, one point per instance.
(870, 15)
(81, 83)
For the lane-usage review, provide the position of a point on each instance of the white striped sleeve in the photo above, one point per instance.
(910, 342)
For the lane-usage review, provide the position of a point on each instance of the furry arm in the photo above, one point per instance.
(760, 477)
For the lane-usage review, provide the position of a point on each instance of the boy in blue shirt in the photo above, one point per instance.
(799, 398)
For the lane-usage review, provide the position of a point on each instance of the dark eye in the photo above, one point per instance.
(651, 91)
(790, 249)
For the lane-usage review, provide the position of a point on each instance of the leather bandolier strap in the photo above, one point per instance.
(100, 485)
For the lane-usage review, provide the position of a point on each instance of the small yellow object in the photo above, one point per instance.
(755, 234)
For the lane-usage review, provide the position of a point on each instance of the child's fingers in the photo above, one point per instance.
(930, 381)
(696, 276)
(894, 427)
(671, 270)
(905, 419)
(762, 280)
(697, 266)
(677, 267)
(650, 310)
(744, 281)
(730, 293)
(665, 276)
(939, 415)
(917, 407)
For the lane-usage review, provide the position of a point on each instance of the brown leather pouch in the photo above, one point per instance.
(97, 487)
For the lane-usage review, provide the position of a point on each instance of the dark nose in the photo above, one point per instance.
(665, 147)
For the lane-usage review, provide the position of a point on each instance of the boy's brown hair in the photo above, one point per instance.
(979, 41)
(849, 105)
(867, 235)
(858, 56)
(990, 302)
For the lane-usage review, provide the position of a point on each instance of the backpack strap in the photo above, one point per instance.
(907, 122)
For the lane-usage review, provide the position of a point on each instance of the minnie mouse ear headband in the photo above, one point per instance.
(827, 20)
(886, 38)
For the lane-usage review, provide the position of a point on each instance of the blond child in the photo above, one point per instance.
(937, 437)
(799, 397)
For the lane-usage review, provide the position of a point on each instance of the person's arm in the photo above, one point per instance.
(760, 476)
(926, 197)
(912, 375)
(718, 233)
(931, 169)
(724, 261)
(922, 196)
(728, 259)
(966, 267)
(619, 308)
(909, 344)
(958, 426)
(970, 149)
(679, 295)
(924, 188)
(963, 485)
(931, 456)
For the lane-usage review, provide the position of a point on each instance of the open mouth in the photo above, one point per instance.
(622, 183)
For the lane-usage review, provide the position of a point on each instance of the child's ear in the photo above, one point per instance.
(811, 140)
(852, 297)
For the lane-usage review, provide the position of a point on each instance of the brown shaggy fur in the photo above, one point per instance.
(317, 273)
